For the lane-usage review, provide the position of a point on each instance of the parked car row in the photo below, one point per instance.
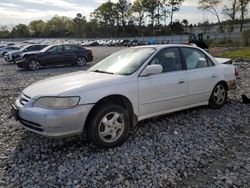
(54, 55)
(5, 49)
(34, 56)
(15, 56)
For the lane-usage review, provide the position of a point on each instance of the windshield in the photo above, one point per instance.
(24, 47)
(124, 62)
(46, 48)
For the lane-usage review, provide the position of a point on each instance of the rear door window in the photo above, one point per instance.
(195, 59)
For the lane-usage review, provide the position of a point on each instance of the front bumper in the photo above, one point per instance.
(8, 58)
(52, 123)
(22, 63)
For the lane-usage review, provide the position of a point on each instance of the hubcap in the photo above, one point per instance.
(219, 94)
(111, 127)
(81, 61)
(34, 65)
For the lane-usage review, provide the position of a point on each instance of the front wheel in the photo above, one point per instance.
(81, 61)
(33, 65)
(16, 59)
(109, 126)
(218, 96)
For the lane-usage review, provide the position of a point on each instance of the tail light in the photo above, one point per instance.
(236, 71)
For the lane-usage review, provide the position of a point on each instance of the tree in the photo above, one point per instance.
(79, 25)
(210, 6)
(123, 9)
(139, 14)
(106, 13)
(36, 28)
(246, 37)
(4, 32)
(20, 31)
(230, 11)
(185, 23)
(58, 26)
(174, 7)
(107, 17)
(177, 28)
(150, 7)
(243, 11)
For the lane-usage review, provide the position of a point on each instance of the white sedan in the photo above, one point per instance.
(129, 86)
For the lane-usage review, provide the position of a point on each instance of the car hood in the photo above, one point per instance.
(58, 85)
(15, 52)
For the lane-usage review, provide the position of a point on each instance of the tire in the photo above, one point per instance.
(109, 126)
(81, 61)
(218, 97)
(33, 65)
(16, 59)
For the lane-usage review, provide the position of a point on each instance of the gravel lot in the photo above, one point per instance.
(199, 147)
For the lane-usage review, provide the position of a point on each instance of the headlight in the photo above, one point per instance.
(56, 102)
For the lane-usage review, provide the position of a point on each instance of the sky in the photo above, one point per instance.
(13, 12)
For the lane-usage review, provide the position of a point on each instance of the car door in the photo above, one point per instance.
(202, 75)
(166, 91)
(53, 56)
(69, 53)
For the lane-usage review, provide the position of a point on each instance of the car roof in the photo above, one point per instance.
(160, 46)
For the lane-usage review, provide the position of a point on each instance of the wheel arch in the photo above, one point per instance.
(115, 99)
(223, 82)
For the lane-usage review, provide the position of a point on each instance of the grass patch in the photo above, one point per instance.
(235, 54)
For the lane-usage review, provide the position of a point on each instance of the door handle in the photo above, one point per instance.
(214, 76)
(181, 81)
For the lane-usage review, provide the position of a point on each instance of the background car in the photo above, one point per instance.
(54, 55)
(7, 49)
(16, 55)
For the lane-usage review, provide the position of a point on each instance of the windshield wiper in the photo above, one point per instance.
(100, 71)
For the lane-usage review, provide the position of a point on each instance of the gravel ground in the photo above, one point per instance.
(199, 147)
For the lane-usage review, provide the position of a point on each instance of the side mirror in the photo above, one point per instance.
(152, 69)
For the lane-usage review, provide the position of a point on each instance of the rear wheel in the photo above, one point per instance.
(33, 65)
(218, 96)
(109, 126)
(81, 61)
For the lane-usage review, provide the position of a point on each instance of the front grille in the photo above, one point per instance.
(24, 99)
(31, 125)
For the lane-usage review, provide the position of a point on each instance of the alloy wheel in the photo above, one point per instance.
(219, 94)
(111, 127)
(81, 61)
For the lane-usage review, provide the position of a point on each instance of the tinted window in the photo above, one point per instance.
(70, 48)
(194, 58)
(55, 49)
(30, 48)
(170, 59)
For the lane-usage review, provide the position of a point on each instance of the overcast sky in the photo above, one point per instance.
(24, 11)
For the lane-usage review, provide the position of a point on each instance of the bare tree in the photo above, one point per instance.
(174, 7)
(230, 11)
(243, 11)
(210, 6)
